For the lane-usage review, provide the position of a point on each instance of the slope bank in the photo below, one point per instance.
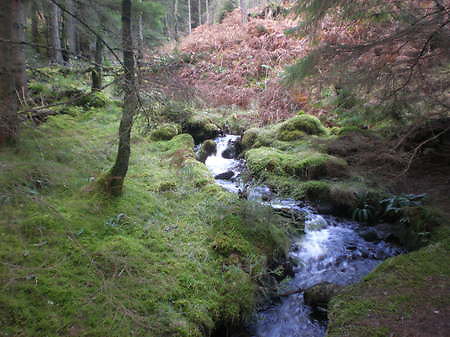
(174, 256)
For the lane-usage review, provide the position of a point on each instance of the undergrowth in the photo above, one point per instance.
(172, 257)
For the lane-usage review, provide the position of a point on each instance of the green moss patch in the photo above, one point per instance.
(304, 165)
(172, 256)
(201, 127)
(299, 126)
(165, 132)
(405, 295)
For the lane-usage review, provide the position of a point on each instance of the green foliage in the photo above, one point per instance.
(302, 69)
(395, 205)
(176, 112)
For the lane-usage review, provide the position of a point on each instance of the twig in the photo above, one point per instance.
(418, 148)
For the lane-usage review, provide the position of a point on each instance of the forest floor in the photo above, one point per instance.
(176, 255)
(173, 256)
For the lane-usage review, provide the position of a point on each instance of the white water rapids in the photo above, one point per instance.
(331, 250)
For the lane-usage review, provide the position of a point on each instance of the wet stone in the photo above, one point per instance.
(225, 176)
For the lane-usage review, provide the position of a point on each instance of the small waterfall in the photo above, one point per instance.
(331, 250)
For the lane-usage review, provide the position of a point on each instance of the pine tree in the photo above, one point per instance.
(395, 59)
(12, 67)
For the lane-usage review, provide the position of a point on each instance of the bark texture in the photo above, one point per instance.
(97, 72)
(8, 100)
(55, 50)
(70, 32)
(18, 49)
(120, 168)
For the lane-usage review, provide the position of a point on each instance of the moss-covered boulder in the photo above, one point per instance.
(300, 126)
(97, 99)
(165, 132)
(321, 294)
(249, 138)
(305, 165)
(207, 148)
(201, 127)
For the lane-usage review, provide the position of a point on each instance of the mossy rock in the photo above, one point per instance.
(299, 126)
(197, 172)
(207, 148)
(249, 138)
(304, 165)
(165, 132)
(181, 142)
(201, 128)
(321, 294)
(97, 99)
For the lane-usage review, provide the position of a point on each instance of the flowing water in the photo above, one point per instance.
(331, 250)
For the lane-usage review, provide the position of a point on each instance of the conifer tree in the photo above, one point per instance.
(396, 58)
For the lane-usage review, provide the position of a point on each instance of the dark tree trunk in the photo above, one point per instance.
(175, 20)
(55, 50)
(35, 26)
(9, 120)
(120, 168)
(84, 39)
(97, 72)
(70, 32)
(189, 17)
(18, 50)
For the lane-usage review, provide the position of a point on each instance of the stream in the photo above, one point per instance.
(331, 250)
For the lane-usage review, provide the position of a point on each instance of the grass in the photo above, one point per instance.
(171, 257)
(410, 289)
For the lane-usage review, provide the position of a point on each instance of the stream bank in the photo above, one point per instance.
(331, 250)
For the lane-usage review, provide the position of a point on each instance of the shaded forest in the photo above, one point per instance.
(246, 168)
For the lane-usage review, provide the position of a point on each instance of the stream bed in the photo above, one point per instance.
(331, 250)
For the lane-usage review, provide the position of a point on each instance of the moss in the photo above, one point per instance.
(207, 148)
(201, 127)
(165, 132)
(410, 288)
(97, 99)
(75, 262)
(306, 165)
(299, 126)
(249, 138)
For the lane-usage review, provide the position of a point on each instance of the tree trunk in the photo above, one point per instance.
(84, 39)
(140, 46)
(120, 168)
(70, 32)
(243, 7)
(97, 72)
(9, 120)
(199, 12)
(35, 26)
(175, 19)
(55, 51)
(18, 50)
(189, 17)
(207, 12)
